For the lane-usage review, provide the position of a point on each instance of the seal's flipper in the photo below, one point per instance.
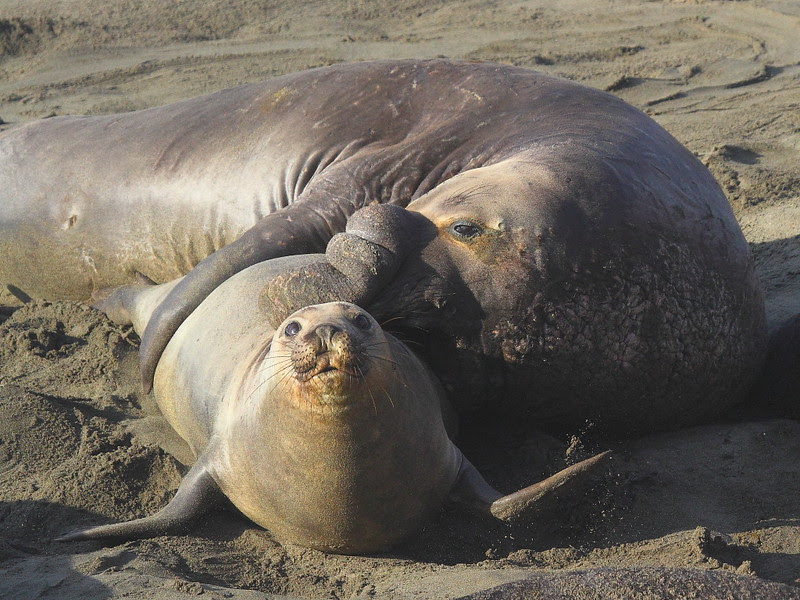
(132, 304)
(472, 490)
(356, 266)
(143, 279)
(197, 493)
(190, 292)
(110, 300)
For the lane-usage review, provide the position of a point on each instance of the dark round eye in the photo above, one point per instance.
(362, 321)
(466, 229)
(292, 329)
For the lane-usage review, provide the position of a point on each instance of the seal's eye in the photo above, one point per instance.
(362, 321)
(466, 230)
(292, 329)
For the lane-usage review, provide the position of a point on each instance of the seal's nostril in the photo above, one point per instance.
(325, 333)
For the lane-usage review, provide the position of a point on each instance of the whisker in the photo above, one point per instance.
(388, 360)
(278, 371)
(282, 371)
(389, 320)
(267, 365)
(407, 341)
(374, 406)
(284, 378)
(388, 397)
(385, 393)
(373, 344)
(274, 364)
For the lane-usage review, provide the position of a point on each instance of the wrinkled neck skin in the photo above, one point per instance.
(455, 290)
(563, 294)
(347, 468)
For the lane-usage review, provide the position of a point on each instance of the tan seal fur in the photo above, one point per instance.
(350, 451)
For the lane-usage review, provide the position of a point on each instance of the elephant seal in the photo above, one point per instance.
(326, 431)
(564, 256)
(655, 583)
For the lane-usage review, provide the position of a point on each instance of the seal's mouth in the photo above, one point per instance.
(330, 365)
(327, 352)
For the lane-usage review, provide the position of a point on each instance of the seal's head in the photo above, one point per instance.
(570, 282)
(326, 352)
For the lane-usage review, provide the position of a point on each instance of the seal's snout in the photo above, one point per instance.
(327, 347)
(329, 340)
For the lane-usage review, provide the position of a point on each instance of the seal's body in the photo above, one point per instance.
(346, 456)
(327, 431)
(352, 452)
(564, 256)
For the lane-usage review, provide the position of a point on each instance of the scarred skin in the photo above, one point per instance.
(562, 255)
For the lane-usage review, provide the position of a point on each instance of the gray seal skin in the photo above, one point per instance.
(327, 431)
(563, 255)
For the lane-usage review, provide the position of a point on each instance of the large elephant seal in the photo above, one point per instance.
(327, 431)
(566, 256)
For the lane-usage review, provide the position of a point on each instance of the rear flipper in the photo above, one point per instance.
(472, 490)
(197, 493)
(132, 304)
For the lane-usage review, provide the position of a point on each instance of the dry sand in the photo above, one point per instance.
(80, 444)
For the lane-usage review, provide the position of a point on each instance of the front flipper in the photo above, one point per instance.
(357, 264)
(197, 493)
(274, 236)
(472, 490)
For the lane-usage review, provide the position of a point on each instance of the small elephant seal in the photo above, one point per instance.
(327, 431)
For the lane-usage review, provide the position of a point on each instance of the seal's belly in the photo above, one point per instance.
(86, 202)
(67, 243)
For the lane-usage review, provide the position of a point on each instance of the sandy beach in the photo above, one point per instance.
(80, 443)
